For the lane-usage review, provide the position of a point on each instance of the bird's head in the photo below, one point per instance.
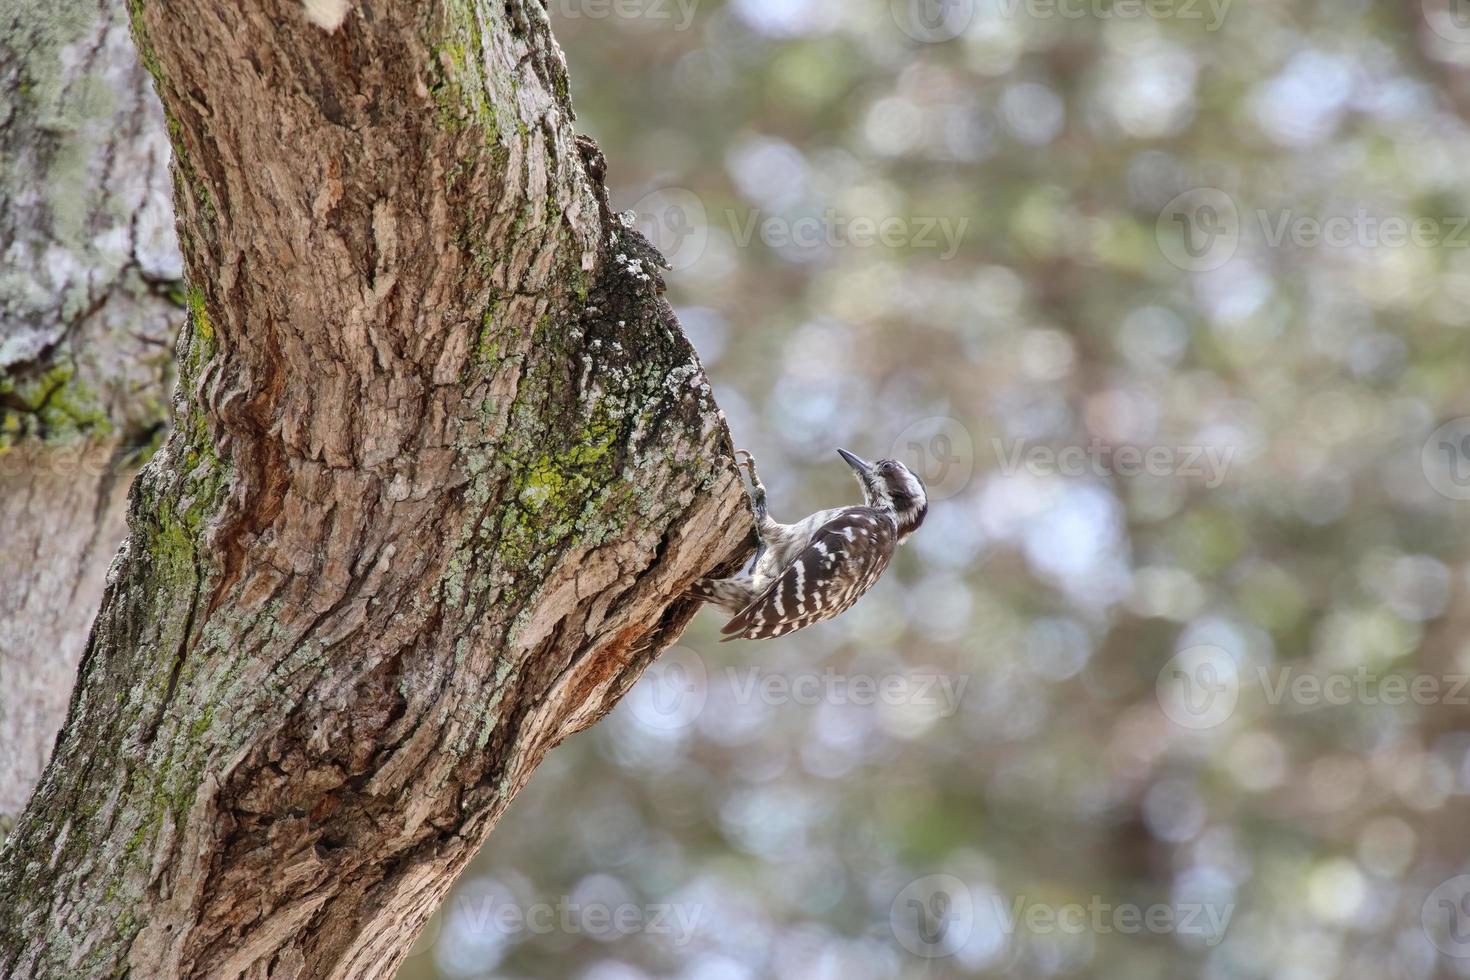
(890, 486)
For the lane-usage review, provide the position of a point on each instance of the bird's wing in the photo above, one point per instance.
(841, 562)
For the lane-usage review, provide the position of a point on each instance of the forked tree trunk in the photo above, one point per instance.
(89, 270)
(442, 465)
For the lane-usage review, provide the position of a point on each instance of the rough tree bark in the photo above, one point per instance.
(88, 265)
(442, 466)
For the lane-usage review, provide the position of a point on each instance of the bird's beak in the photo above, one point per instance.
(856, 462)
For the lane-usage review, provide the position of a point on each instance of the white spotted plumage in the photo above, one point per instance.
(812, 570)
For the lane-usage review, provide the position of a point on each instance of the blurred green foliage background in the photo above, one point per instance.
(1169, 300)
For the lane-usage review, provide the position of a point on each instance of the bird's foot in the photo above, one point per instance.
(756, 490)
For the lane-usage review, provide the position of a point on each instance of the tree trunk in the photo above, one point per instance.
(86, 327)
(442, 466)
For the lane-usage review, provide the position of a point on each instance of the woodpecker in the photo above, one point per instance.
(812, 570)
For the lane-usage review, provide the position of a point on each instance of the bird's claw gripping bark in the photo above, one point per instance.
(756, 490)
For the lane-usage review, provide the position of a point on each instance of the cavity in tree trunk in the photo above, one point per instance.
(442, 466)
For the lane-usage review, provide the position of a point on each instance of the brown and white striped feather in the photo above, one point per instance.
(841, 562)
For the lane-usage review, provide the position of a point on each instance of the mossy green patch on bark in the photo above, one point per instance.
(172, 528)
(54, 407)
(163, 699)
(146, 55)
(459, 84)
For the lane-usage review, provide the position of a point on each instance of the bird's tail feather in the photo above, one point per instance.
(730, 594)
